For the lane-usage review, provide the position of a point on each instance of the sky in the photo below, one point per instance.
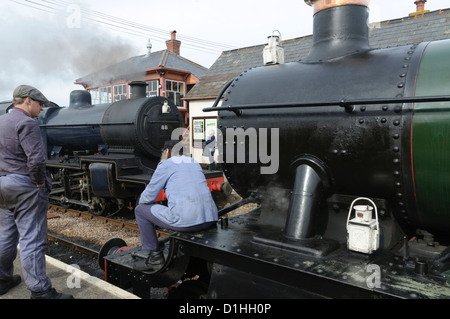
(51, 43)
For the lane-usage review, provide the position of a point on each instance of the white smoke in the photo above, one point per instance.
(47, 48)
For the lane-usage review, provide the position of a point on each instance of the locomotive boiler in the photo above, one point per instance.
(102, 156)
(5, 107)
(354, 203)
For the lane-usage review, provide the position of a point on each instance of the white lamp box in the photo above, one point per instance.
(273, 52)
(363, 233)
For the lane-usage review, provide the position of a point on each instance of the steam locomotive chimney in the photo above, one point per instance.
(138, 90)
(340, 29)
(80, 98)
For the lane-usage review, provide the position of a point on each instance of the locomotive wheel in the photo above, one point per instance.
(99, 206)
(109, 248)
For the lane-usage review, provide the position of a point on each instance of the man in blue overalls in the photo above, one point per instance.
(24, 191)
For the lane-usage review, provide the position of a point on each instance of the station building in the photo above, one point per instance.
(166, 73)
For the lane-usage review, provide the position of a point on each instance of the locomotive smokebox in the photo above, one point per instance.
(327, 152)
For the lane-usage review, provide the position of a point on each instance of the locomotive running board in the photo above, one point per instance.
(340, 274)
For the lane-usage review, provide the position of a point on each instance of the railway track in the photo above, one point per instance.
(72, 245)
(71, 240)
(75, 237)
(87, 215)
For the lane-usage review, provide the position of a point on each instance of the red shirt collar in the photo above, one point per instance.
(22, 111)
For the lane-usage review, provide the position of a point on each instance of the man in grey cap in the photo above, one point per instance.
(25, 91)
(24, 190)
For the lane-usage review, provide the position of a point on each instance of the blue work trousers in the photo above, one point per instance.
(147, 221)
(23, 221)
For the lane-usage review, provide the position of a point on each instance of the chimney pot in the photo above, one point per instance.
(420, 5)
(173, 45)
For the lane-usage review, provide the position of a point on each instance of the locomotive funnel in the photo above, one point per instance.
(80, 98)
(340, 29)
(138, 90)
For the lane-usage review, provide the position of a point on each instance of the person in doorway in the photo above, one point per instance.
(24, 190)
(190, 206)
(210, 149)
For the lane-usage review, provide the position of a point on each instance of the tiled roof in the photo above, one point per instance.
(134, 66)
(430, 26)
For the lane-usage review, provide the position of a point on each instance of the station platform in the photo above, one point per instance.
(69, 280)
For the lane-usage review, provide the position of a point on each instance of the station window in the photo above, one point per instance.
(120, 92)
(175, 91)
(101, 95)
(152, 88)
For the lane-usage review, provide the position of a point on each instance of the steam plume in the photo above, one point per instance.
(37, 51)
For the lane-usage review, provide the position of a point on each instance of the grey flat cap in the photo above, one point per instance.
(24, 91)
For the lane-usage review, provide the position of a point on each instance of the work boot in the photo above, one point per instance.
(7, 285)
(50, 294)
(140, 253)
(152, 262)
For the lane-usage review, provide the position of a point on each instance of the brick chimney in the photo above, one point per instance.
(173, 44)
(420, 5)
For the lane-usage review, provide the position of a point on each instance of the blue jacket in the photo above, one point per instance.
(190, 201)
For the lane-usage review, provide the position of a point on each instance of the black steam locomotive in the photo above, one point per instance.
(101, 157)
(5, 107)
(355, 203)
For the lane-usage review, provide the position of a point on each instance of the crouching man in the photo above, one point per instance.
(190, 206)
